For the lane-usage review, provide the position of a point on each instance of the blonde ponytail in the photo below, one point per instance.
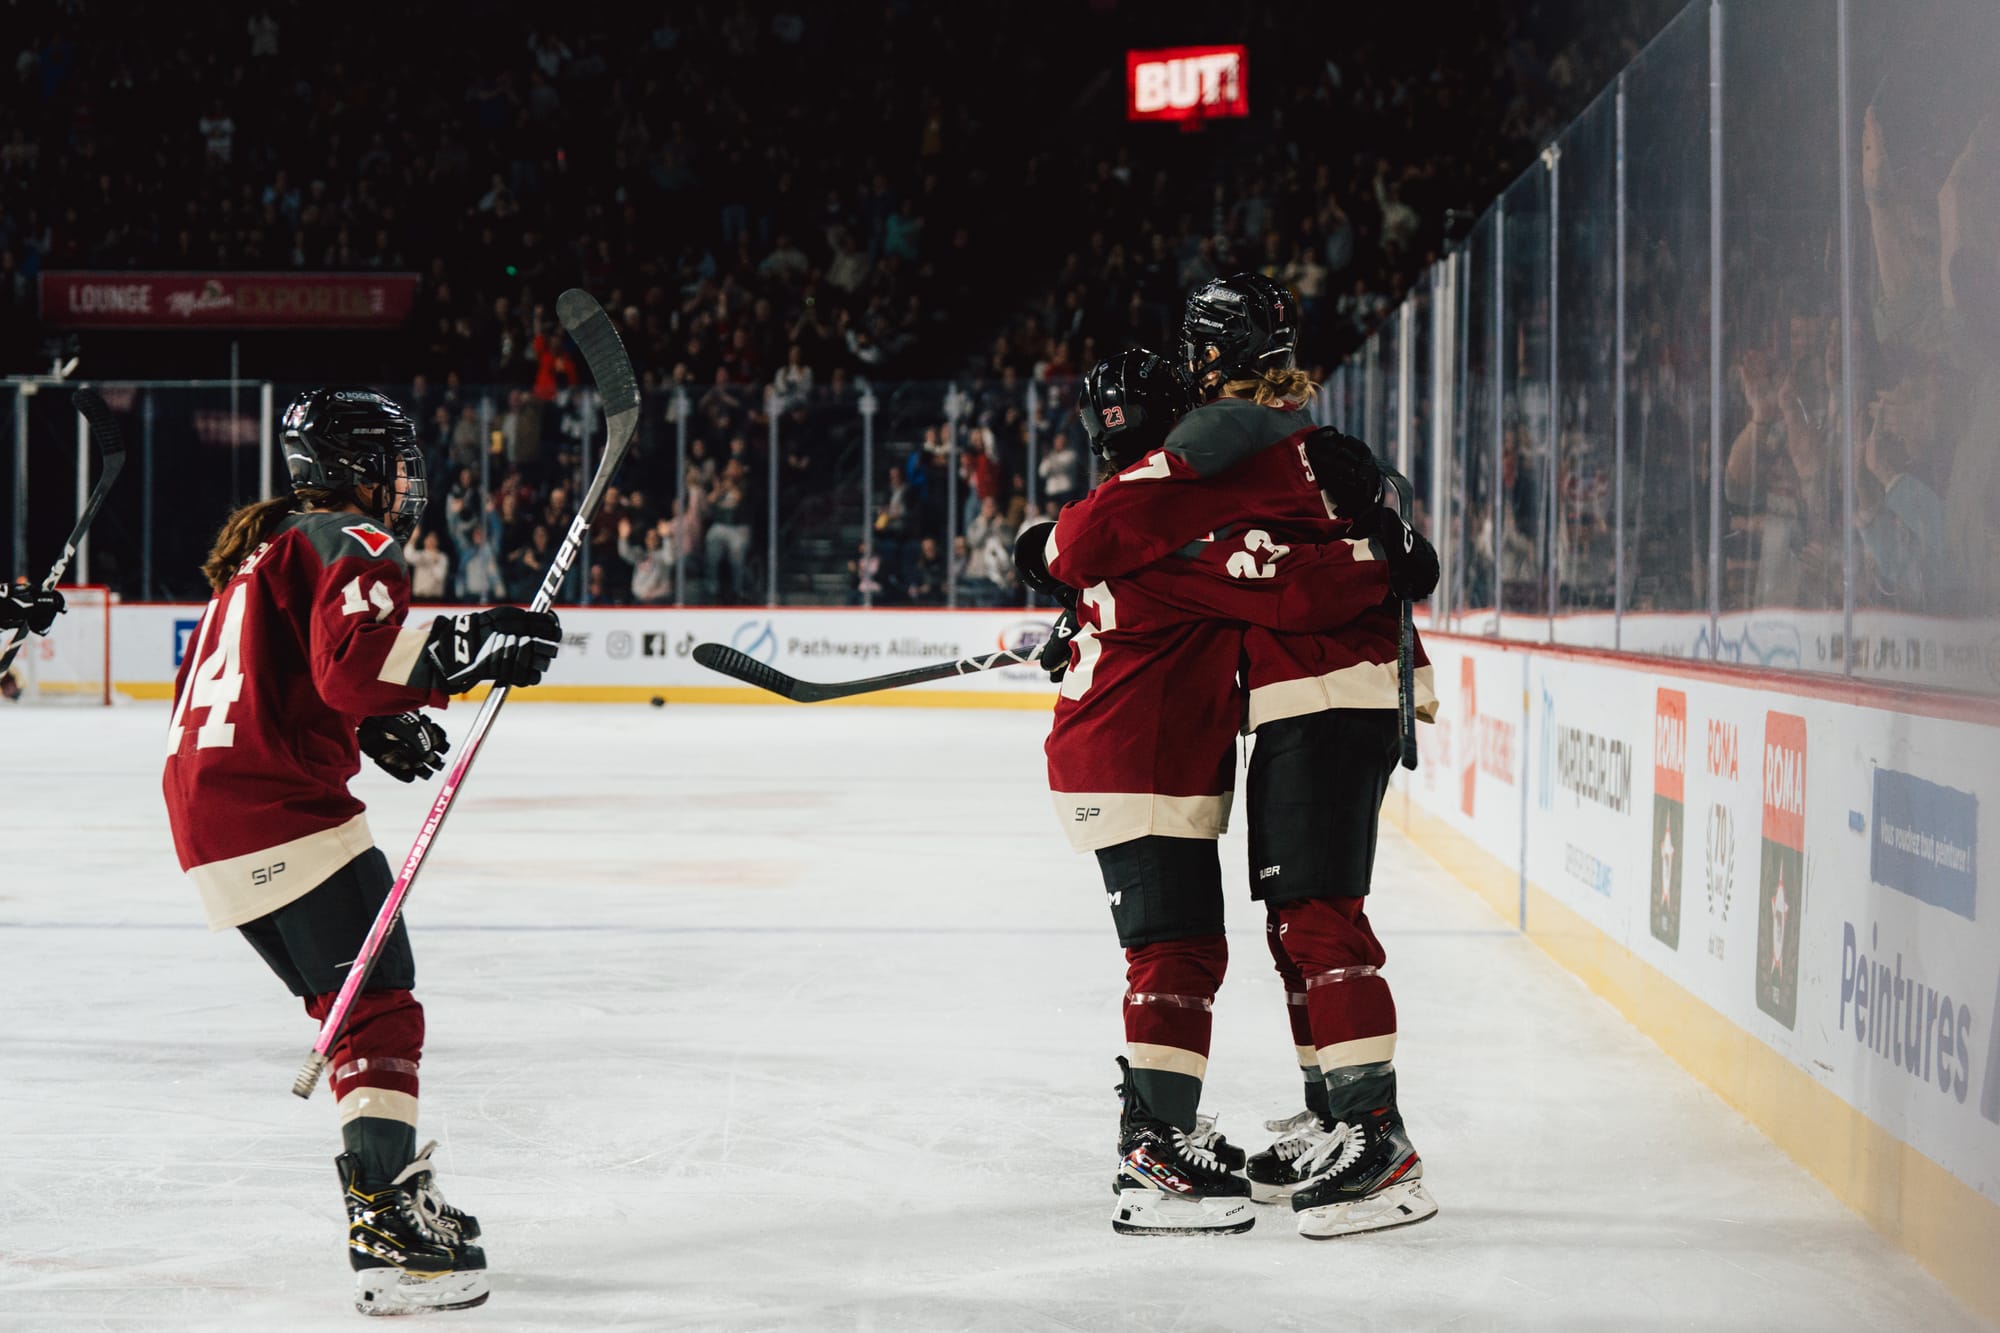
(1272, 387)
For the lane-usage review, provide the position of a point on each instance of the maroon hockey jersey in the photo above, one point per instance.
(1227, 466)
(1145, 724)
(302, 644)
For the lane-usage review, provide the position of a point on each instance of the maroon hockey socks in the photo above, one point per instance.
(1169, 1011)
(1350, 1014)
(375, 1078)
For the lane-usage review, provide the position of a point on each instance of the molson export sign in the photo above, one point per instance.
(1187, 83)
(1670, 732)
(1781, 880)
(123, 300)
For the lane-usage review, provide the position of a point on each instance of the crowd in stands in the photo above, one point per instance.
(785, 207)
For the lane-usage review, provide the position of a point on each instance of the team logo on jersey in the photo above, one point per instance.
(372, 539)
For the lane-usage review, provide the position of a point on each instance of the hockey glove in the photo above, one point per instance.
(1031, 562)
(508, 645)
(1348, 476)
(406, 746)
(1412, 560)
(1054, 657)
(37, 608)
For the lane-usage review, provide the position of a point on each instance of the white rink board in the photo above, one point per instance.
(650, 647)
(1926, 1070)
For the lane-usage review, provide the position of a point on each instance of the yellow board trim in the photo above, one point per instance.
(709, 694)
(1945, 1224)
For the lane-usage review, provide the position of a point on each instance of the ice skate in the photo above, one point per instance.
(421, 1180)
(1275, 1172)
(1168, 1183)
(406, 1259)
(1364, 1176)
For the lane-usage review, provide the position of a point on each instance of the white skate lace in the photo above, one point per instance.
(419, 1178)
(1205, 1134)
(1335, 1153)
(1299, 1134)
(1194, 1149)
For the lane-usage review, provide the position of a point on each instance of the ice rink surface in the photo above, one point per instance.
(774, 1019)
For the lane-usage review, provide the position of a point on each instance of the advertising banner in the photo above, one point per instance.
(1805, 867)
(125, 300)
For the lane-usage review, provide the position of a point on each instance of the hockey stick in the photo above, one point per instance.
(612, 370)
(1406, 668)
(742, 666)
(111, 444)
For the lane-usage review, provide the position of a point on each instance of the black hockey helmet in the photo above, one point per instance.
(336, 439)
(1130, 402)
(1250, 322)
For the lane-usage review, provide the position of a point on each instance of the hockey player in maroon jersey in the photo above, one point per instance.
(1141, 763)
(1323, 707)
(302, 662)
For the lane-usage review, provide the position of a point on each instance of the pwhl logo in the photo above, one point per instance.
(1781, 880)
(1670, 728)
(755, 638)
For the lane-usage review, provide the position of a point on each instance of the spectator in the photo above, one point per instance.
(652, 561)
(430, 568)
(728, 540)
(927, 574)
(1060, 471)
(478, 571)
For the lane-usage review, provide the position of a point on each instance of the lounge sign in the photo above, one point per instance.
(123, 300)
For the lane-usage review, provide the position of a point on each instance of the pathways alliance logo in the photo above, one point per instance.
(1670, 728)
(1781, 880)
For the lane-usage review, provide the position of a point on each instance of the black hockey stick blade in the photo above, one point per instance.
(1406, 635)
(741, 666)
(111, 445)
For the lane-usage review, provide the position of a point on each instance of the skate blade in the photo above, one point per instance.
(1400, 1205)
(1261, 1192)
(1146, 1212)
(390, 1291)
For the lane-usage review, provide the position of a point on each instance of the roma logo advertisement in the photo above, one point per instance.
(1781, 880)
(1669, 855)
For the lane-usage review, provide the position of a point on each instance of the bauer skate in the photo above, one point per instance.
(1364, 1176)
(407, 1259)
(1169, 1184)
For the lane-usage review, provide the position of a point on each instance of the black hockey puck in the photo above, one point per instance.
(659, 701)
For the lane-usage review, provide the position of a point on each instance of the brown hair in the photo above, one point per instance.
(251, 526)
(1271, 387)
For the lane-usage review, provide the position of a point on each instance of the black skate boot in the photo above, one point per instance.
(1363, 1176)
(405, 1259)
(1274, 1173)
(1168, 1183)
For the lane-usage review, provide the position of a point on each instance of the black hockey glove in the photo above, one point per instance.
(1349, 477)
(1031, 562)
(1054, 657)
(406, 746)
(34, 607)
(1412, 560)
(508, 645)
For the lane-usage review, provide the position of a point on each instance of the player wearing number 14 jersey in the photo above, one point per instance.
(300, 663)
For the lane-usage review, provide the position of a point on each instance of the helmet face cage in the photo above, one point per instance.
(344, 439)
(1237, 328)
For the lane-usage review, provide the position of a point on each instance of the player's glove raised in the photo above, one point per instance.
(1348, 475)
(1412, 560)
(1031, 562)
(406, 746)
(24, 604)
(1054, 657)
(508, 645)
